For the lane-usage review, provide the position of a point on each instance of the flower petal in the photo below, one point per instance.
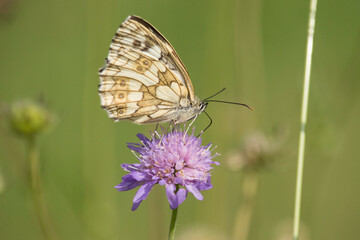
(140, 176)
(134, 147)
(181, 195)
(194, 191)
(162, 181)
(204, 186)
(143, 139)
(170, 193)
(128, 183)
(175, 199)
(142, 194)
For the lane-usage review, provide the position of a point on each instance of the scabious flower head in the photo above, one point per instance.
(176, 160)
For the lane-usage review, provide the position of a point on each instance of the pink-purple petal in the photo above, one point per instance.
(195, 192)
(181, 195)
(140, 176)
(175, 199)
(204, 186)
(142, 194)
(128, 183)
(134, 147)
(170, 193)
(143, 139)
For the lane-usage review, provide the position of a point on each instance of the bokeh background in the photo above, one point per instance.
(256, 49)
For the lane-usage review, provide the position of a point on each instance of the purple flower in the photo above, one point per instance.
(176, 160)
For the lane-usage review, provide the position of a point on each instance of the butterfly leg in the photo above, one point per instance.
(191, 123)
(153, 133)
(166, 130)
(174, 125)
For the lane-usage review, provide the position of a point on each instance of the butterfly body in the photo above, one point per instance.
(186, 111)
(144, 79)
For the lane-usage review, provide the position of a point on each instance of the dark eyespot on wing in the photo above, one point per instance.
(136, 43)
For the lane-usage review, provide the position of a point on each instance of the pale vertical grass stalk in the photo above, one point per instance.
(304, 109)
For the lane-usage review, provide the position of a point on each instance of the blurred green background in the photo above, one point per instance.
(256, 49)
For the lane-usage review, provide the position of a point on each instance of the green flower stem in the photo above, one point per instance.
(304, 109)
(173, 220)
(36, 190)
(244, 213)
(173, 224)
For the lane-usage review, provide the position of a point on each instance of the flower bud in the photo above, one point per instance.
(28, 118)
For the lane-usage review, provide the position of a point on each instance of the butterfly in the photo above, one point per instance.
(144, 80)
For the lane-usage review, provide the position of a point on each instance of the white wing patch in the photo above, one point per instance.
(175, 87)
(142, 119)
(160, 66)
(138, 76)
(167, 94)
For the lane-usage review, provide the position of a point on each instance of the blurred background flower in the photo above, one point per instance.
(256, 151)
(7, 8)
(28, 118)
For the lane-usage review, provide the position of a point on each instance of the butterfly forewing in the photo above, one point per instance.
(143, 79)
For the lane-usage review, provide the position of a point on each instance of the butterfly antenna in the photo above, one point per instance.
(235, 103)
(215, 94)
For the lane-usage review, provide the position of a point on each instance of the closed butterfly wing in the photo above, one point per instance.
(144, 80)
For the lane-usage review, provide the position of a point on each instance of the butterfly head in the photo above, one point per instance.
(199, 105)
(203, 105)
